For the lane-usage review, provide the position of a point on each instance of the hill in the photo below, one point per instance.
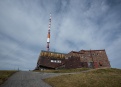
(109, 77)
(5, 74)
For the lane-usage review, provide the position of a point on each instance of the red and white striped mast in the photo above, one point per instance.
(48, 36)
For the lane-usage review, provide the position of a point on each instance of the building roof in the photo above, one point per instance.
(82, 51)
(52, 52)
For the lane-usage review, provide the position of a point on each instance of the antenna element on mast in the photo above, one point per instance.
(48, 36)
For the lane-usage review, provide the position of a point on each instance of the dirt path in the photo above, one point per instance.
(28, 79)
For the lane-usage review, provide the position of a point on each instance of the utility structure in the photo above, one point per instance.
(48, 36)
(74, 59)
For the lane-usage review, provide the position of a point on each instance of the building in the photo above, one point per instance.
(73, 59)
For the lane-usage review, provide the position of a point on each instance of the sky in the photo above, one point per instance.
(76, 25)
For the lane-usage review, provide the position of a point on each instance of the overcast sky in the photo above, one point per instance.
(76, 25)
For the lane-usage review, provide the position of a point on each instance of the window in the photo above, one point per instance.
(100, 63)
(66, 58)
(52, 61)
(60, 61)
(56, 61)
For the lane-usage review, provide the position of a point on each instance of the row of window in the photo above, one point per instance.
(95, 54)
(56, 61)
(84, 56)
(52, 54)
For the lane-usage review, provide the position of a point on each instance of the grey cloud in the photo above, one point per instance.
(76, 25)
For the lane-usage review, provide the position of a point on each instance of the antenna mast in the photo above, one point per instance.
(48, 36)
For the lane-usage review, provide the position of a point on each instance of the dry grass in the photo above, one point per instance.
(63, 70)
(4, 74)
(96, 78)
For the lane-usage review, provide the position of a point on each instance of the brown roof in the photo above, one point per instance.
(91, 50)
(75, 52)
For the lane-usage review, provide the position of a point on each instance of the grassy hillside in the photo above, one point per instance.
(96, 78)
(63, 70)
(4, 74)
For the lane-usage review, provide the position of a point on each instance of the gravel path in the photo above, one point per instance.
(28, 79)
(32, 79)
